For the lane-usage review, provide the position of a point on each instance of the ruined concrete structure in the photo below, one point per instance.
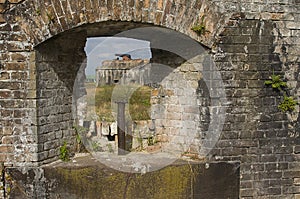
(113, 71)
(42, 48)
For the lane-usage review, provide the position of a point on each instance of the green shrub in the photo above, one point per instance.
(199, 28)
(288, 104)
(276, 82)
(64, 152)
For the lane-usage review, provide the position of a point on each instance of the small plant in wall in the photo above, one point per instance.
(288, 103)
(276, 82)
(200, 27)
(64, 153)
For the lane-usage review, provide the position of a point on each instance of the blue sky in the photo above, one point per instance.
(99, 49)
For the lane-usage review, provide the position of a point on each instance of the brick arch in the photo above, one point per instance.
(58, 62)
(42, 20)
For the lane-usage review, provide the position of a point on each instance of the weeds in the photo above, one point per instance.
(64, 152)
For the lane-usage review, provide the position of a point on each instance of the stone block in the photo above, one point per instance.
(16, 56)
(3, 157)
(43, 155)
(291, 190)
(7, 139)
(296, 181)
(291, 174)
(50, 144)
(6, 149)
(6, 130)
(276, 166)
(173, 116)
(292, 25)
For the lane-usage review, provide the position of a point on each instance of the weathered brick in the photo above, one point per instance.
(247, 192)
(296, 181)
(270, 191)
(15, 66)
(276, 166)
(291, 174)
(291, 189)
(4, 76)
(6, 148)
(7, 139)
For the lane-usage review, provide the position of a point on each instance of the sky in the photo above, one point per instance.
(99, 49)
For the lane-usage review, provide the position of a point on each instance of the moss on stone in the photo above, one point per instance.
(92, 182)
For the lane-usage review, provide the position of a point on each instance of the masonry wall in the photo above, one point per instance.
(256, 132)
(17, 95)
(247, 39)
(57, 64)
(265, 140)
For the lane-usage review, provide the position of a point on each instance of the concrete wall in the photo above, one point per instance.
(248, 40)
(116, 72)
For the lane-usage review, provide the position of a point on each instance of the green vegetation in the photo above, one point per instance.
(110, 148)
(199, 28)
(139, 103)
(79, 130)
(288, 103)
(51, 18)
(174, 181)
(103, 103)
(140, 141)
(64, 153)
(276, 82)
(38, 12)
(96, 146)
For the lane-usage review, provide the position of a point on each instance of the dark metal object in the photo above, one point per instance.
(121, 128)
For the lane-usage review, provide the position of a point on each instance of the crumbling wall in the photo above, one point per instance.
(113, 72)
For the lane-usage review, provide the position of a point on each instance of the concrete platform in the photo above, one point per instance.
(85, 177)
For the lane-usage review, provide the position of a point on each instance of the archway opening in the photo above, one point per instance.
(171, 73)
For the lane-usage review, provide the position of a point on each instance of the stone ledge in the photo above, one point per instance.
(87, 178)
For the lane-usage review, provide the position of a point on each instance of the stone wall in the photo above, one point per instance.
(56, 70)
(256, 133)
(176, 111)
(247, 39)
(260, 40)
